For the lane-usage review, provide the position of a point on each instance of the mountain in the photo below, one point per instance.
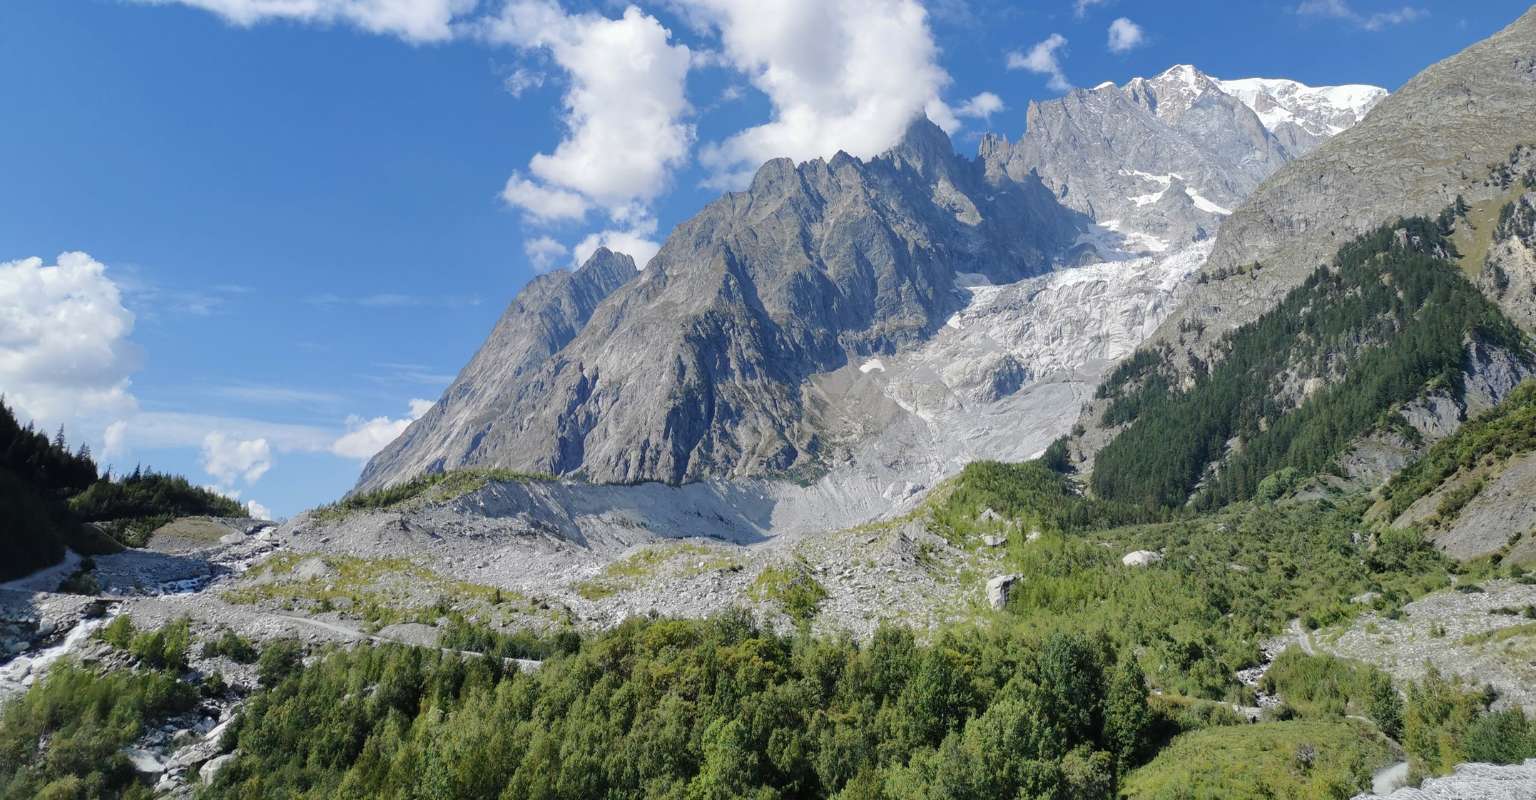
(1432, 141)
(1168, 157)
(1300, 116)
(544, 317)
(696, 368)
(876, 323)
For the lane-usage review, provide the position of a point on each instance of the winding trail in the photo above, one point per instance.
(1303, 637)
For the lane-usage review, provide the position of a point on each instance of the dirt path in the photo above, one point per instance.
(1303, 637)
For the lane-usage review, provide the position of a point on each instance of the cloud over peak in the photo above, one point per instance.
(1042, 59)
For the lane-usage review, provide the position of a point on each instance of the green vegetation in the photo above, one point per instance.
(1391, 305)
(133, 507)
(232, 646)
(1507, 430)
(1271, 759)
(1324, 686)
(47, 491)
(1031, 495)
(1501, 634)
(703, 709)
(162, 648)
(432, 487)
(792, 587)
(679, 559)
(1226, 581)
(63, 737)
(472, 637)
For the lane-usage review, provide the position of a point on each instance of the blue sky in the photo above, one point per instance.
(295, 213)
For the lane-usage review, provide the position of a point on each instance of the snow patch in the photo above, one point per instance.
(872, 365)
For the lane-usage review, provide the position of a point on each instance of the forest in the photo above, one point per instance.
(1388, 320)
(48, 493)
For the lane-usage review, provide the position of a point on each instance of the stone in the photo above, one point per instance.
(998, 588)
(994, 540)
(1141, 558)
(210, 770)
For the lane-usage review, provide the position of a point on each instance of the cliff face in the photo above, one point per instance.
(695, 367)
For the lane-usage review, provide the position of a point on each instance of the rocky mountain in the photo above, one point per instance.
(544, 317)
(697, 367)
(748, 346)
(1168, 157)
(1432, 141)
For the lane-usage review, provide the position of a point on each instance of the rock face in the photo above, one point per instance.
(739, 350)
(544, 317)
(1170, 156)
(694, 368)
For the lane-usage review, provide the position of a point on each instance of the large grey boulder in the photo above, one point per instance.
(998, 589)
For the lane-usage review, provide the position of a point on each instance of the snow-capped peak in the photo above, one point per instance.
(1320, 110)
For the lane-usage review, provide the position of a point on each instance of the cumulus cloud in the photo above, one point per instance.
(1340, 9)
(417, 21)
(624, 108)
(365, 437)
(228, 458)
(257, 510)
(64, 347)
(982, 106)
(544, 253)
(1042, 60)
(840, 74)
(1125, 35)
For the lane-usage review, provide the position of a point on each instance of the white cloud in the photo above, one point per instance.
(543, 203)
(412, 20)
(1080, 9)
(544, 252)
(64, 348)
(982, 106)
(229, 459)
(415, 21)
(624, 108)
(840, 74)
(1041, 59)
(364, 438)
(1125, 35)
(257, 510)
(113, 439)
(1340, 9)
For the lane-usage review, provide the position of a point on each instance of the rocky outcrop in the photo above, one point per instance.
(998, 589)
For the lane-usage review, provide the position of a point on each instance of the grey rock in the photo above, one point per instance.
(1141, 558)
(998, 589)
(1482, 781)
(210, 770)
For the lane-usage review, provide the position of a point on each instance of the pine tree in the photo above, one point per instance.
(1126, 716)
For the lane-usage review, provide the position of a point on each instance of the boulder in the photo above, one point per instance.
(211, 768)
(1141, 558)
(994, 540)
(998, 588)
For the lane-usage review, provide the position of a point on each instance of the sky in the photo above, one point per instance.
(249, 240)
